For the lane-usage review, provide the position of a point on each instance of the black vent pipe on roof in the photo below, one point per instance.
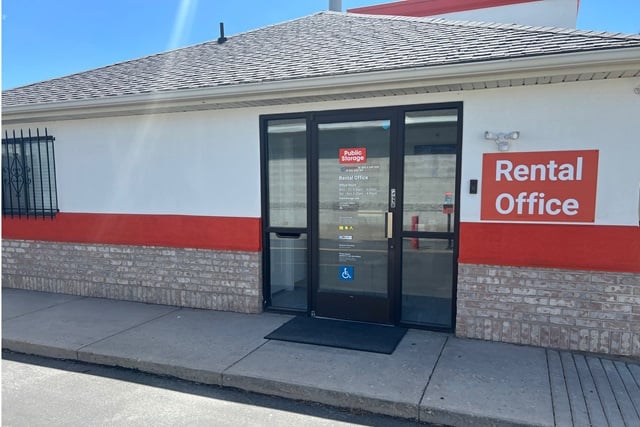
(335, 5)
(222, 38)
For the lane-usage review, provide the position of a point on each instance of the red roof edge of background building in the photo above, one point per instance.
(432, 7)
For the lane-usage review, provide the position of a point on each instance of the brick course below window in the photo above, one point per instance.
(589, 311)
(217, 280)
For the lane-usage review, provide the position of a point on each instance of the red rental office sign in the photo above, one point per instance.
(540, 186)
(352, 155)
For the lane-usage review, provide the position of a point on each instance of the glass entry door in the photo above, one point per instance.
(354, 220)
(361, 213)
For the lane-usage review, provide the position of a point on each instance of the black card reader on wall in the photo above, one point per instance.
(473, 186)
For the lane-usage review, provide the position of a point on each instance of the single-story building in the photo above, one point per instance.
(468, 177)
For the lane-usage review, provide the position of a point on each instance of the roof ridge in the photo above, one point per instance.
(288, 21)
(497, 25)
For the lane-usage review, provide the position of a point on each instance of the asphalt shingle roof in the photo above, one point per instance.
(319, 45)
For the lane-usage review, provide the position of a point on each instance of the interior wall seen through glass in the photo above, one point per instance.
(287, 172)
(288, 269)
(430, 149)
(427, 277)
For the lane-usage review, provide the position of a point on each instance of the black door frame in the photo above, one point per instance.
(327, 304)
(396, 115)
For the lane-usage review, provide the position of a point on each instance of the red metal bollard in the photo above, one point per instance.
(415, 243)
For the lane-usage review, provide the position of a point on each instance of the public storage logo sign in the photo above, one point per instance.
(540, 186)
(353, 155)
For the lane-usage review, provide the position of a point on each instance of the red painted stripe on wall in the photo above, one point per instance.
(579, 247)
(181, 231)
(432, 7)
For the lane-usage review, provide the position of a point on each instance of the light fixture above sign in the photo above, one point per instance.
(502, 140)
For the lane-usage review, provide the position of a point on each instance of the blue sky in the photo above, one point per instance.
(43, 39)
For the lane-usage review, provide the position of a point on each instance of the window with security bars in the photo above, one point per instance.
(29, 175)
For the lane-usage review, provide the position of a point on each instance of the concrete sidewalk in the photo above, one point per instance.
(431, 377)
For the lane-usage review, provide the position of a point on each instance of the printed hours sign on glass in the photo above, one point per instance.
(540, 186)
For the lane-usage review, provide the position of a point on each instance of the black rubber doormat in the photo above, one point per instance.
(342, 334)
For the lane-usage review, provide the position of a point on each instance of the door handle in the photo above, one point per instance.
(288, 235)
(389, 233)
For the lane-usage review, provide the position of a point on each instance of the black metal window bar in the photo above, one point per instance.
(29, 175)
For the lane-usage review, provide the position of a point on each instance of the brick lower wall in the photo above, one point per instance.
(575, 310)
(217, 280)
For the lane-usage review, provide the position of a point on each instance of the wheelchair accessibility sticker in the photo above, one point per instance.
(345, 273)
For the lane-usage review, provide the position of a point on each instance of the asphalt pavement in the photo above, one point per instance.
(430, 377)
(71, 393)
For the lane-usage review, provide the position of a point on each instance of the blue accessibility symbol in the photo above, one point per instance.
(345, 273)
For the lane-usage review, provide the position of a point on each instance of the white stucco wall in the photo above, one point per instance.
(204, 163)
(208, 163)
(545, 13)
(600, 115)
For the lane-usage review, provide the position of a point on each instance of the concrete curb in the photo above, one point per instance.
(39, 349)
(430, 377)
(251, 384)
(180, 372)
(266, 386)
(319, 395)
(449, 418)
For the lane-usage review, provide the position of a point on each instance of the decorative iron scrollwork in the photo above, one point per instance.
(28, 175)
